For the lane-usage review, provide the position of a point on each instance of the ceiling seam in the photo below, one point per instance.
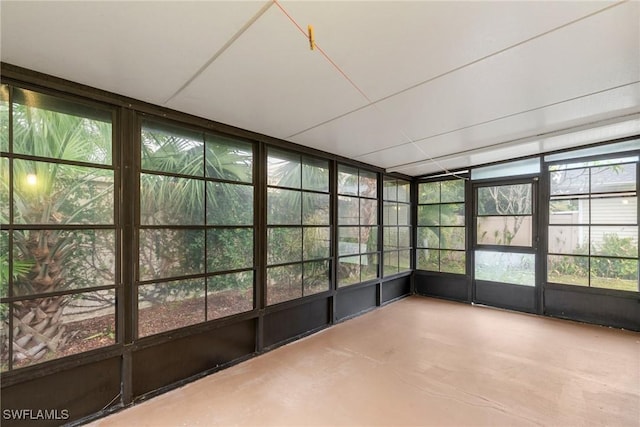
(453, 70)
(220, 51)
(496, 119)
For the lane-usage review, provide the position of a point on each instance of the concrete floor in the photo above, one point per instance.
(420, 361)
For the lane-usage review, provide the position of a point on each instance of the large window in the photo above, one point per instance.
(593, 224)
(196, 235)
(441, 226)
(358, 253)
(298, 226)
(59, 258)
(396, 218)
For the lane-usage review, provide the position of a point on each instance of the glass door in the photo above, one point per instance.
(505, 244)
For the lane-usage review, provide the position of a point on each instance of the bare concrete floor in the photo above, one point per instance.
(420, 361)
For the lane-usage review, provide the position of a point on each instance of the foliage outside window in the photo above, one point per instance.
(358, 255)
(396, 219)
(58, 252)
(298, 226)
(441, 226)
(196, 235)
(593, 224)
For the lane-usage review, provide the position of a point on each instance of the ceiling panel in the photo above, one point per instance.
(573, 62)
(603, 106)
(270, 82)
(145, 50)
(387, 46)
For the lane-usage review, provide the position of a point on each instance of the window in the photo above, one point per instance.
(196, 235)
(59, 260)
(593, 224)
(396, 218)
(358, 253)
(298, 226)
(441, 240)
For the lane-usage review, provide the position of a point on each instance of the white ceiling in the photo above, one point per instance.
(417, 86)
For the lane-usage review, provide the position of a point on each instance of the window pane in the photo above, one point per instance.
(594, 151)
(348, 210)
(229, 249)
(284, 283)
(612, 178)
(228, 159)
(614, 210)
(518, 167)
(570, 181)
(4, 118)
(505, 267)
(429, 237)
(316, 277)
(315, 209)
(404, 214)
(504, 230)
(283, 169)
(368, 212)
(390, 238)
(284, 245)
(315, 175)
(428, 259)
(429, 192)
(59, 260)
(452, 214)
(174, 150)
(316, 242)
(19, 269)
(229, 204)
(568, 240)
(229, 294)
(369, 267)
(568, 270)
(610, 273)
(404, 261)
(452, 238)
(51, 193)
(368, 239)
(505, 200)
(4, 337)
(452, 262)
(169, 253)
(348, 240)
(73, 132)
(166, 200)
(368, 184)
(569, 211)
(404, 191)
(429, 215)
(69, 324)
(452, 191)
(615, 241)
(284, 206)
(404, 237)
(391, 263)
(390, 211)
(347, 180)
(167, 306)
(348, 270)
(390, 190)
(4, 190)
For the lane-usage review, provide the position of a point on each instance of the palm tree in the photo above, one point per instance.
(52, 194)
